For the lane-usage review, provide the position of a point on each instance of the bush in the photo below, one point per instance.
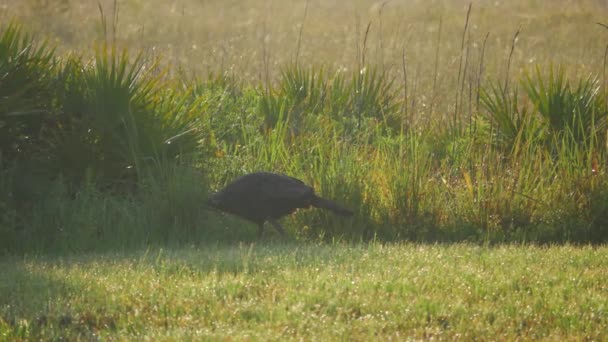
(26, 101)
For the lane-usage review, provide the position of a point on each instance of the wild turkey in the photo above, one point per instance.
(263, 196)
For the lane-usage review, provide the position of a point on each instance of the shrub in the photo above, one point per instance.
(26, 71)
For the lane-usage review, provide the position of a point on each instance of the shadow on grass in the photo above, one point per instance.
(35, 305)
(73, 297)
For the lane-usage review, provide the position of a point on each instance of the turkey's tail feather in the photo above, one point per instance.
(331, 205)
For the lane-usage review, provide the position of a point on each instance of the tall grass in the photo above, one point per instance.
(127, 151)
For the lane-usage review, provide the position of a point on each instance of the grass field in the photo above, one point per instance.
(432, 121)
(254, 37)
(469, 138)
(287, 291)
(440, 121)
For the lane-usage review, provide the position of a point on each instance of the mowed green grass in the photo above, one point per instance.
(283, 291)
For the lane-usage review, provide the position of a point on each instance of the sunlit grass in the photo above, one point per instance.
(288, 291)
(254, 38)
(399, 134)
(381, 113)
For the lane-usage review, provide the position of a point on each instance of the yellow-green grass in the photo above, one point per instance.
(314, 292)
(248, 37)
(254, 40)
(336, 291)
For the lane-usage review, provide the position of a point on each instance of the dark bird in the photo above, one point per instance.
(263, 196)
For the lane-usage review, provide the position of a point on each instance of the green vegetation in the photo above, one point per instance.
(312, 292)
(484, 126)
(119, 149)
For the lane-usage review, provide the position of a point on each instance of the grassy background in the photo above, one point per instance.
(253, 41)
(434, 124)
(434, 121)
(249, 39)
(302, 291)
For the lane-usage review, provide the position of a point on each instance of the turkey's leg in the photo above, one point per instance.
(277, 226)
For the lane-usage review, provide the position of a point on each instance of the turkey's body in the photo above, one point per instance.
(263, 196)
